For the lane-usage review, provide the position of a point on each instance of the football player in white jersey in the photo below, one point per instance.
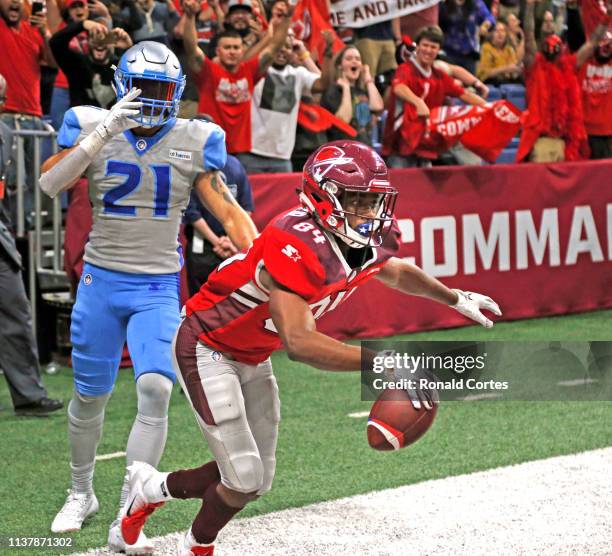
(141, 162)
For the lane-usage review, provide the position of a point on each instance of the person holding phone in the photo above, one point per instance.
(24, 44)
(89, 75)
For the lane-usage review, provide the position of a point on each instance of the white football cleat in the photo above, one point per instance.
(142, 547)
(137, 507)
(77, 508)
(187, 546)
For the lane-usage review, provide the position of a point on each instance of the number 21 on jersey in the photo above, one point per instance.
(133, 178)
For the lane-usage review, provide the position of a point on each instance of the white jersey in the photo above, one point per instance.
(139, 188)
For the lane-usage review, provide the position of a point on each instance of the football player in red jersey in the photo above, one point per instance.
(304, 264)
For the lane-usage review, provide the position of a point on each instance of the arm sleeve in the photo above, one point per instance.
(134, 16)
(483, 13)
(451, 88)
(194, 209)
(486, 64)
(575, 30)
(307, 80)
(69, 61)
(402, 76)
(292, 264)
(331, 99)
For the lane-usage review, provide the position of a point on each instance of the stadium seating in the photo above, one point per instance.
(494, 93)
(508, 155)
(515, 94)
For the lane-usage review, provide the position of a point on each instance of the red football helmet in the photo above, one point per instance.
(340, 179)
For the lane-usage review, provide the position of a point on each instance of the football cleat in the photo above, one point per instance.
(187, 546)
(137, 508)
(143, 546)
(77, 508)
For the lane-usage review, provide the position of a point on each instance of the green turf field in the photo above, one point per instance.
(322, 453)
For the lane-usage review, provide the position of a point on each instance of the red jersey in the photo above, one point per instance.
(403, 130)
(596, 85)
(20, 54)
(232, 309)
(227, 98)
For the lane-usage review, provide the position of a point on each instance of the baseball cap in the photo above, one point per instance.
(70, 3)
(237, 4)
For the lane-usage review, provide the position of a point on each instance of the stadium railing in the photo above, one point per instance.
(45, 238)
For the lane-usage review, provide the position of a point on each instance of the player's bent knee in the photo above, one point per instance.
(249, 474)
(268, 476)
(154, 391)
(84, 407)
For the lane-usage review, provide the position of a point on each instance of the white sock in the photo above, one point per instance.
(155, 489)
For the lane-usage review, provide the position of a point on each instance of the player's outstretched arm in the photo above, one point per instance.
(219, 201)
(410, 279)
(298, 332)
(61, 171)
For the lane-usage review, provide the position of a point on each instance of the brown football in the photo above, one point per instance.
(394, 423)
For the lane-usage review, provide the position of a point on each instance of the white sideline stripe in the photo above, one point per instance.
(578, 382)
(560, 505)
(358, 414)
(110, 456)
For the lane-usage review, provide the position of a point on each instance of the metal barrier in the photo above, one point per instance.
(45, 246)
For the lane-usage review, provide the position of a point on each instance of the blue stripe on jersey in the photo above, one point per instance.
(70, 130)
(148, 142)
(214, 153)
(179, 250)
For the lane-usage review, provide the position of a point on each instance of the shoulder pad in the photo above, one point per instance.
(79, 122)
(292, 263)
(209, 139)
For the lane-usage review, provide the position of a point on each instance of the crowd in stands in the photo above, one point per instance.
(282, 80)
(278, 97)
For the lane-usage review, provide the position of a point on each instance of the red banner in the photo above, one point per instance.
(483, 130)
(310, 19)
(537, 238)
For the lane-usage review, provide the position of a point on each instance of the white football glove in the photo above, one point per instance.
(470, 304)
(118, 119)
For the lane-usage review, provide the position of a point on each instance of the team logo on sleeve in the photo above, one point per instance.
(291, 252)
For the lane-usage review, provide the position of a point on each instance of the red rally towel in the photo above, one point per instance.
(483, 130)
(315, 118)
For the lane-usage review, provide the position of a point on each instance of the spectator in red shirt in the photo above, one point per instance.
(417, 87)
(23, 45)
(554, 129)
(226, 86)
(595, 79)
(596, 84)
